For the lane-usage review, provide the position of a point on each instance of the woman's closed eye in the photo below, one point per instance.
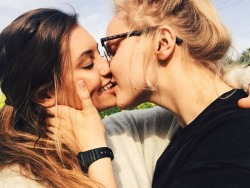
(89, 66)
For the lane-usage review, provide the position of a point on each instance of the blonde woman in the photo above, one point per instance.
(174, 54)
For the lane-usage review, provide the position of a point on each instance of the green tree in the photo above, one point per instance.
(245, 56)
(2, 99)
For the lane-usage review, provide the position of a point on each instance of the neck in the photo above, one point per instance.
(188, 91)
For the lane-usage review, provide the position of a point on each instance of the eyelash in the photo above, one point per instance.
(88, 67)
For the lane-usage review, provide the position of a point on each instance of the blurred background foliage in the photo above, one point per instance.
(2, 99)
(110, 111)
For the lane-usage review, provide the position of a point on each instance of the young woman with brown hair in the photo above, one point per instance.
(44, 55)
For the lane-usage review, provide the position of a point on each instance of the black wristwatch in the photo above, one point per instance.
(88, 157)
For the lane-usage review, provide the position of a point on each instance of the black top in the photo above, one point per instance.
(211, 152)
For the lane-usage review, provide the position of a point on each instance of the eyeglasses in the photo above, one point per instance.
(104, 40)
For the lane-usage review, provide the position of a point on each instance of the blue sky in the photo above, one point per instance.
(95, 14)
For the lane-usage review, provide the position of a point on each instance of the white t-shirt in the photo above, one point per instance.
(137, 139)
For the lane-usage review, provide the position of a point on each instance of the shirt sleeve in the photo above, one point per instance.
(138, 138)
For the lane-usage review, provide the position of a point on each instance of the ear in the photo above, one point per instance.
(48, 101)
(166, 43)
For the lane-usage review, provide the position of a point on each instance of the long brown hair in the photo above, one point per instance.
(32, 57)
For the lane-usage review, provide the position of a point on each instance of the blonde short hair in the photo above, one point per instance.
(206, 39)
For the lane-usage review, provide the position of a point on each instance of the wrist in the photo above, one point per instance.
(86, 158)
(91, 145)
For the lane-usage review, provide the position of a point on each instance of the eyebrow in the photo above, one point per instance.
(87, 52)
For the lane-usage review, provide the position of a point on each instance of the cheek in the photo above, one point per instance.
(121, 61)
(70, 97)
(92, 81)
(117, 70)
(67, 95)
(120, 66)
(104, 102)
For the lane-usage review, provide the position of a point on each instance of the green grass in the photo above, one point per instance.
(110, 111)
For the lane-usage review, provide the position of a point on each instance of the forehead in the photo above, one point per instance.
(116, 26)
(80, 40)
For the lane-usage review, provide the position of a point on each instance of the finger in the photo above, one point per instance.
(55, 137)
(54, 121)
(245, 102)
(54, 133)
(52, 111)
(84, 95)
(50, 135)
(52, 130)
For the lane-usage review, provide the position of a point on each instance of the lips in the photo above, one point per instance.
(108, 86)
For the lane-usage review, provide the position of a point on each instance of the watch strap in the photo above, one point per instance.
(86, 158)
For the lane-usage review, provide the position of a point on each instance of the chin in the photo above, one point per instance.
(124, 106)
(105, 107)
(105, 103)
(129, 103)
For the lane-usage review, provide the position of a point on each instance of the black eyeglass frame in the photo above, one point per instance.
(179, 41)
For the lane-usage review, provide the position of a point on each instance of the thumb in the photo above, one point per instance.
(245, 102)
(84, 95)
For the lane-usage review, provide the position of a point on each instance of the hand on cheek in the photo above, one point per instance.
(80, 130)
(245, 102)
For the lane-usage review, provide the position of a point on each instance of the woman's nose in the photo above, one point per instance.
(104, 68)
